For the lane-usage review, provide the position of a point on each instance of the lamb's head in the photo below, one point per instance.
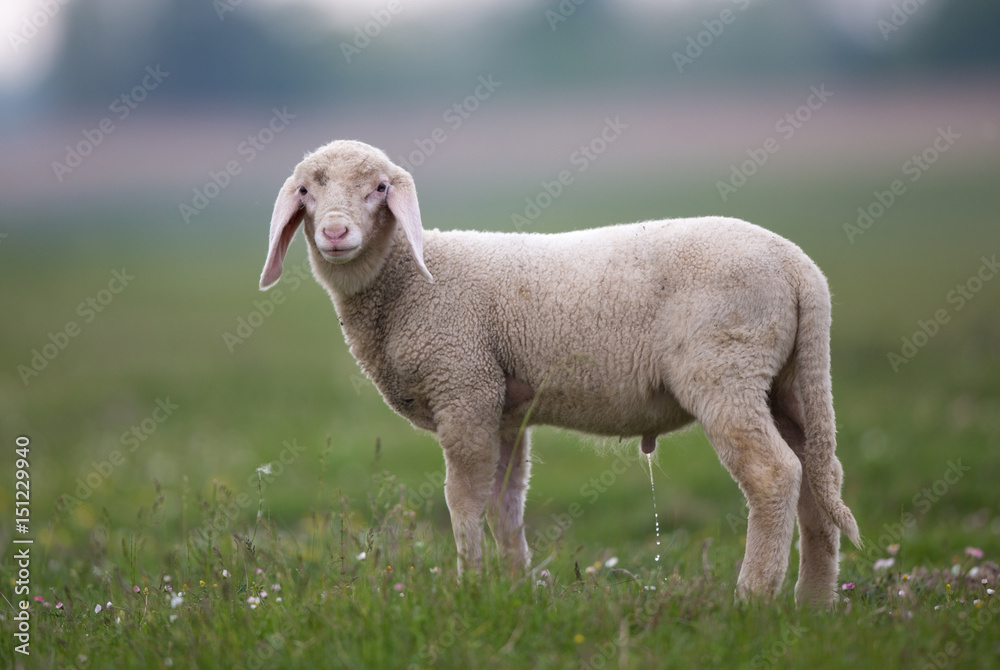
(350, 199)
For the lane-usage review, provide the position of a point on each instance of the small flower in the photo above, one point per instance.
(168, 588)
(177, 600)
(974, 552)
(47, 604)
(136, 589)
(977, 603)
(947, 587)
(435, 570)
(849, 586)
(166, 578)
(39, 599)
(883, 564)
(906, 576)
(109, 605)
(990, 592)
(263, 593)
(985, 581)
(225, 573)
(118, 620)
(361, 556)
(275, 587)
(398, 586)
(278, 599)
(578, 638)
(893, 549)
(388, 568)
(260, 571)
(264, 469)
(901, 593)
(59, 605)
(173, 618)
(97, 608)
(611, 562)
(253, 601)
(590, 570)
(201, 583)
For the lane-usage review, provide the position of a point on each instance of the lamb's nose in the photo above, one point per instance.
(335, 234)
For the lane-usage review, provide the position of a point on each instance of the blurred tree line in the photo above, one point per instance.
(233, 51)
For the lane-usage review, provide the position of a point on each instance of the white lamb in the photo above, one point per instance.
(629, 330)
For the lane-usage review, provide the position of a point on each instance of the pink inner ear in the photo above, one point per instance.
(285, 221)
(402, 201)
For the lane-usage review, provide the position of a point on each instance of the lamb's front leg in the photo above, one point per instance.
(471, 450)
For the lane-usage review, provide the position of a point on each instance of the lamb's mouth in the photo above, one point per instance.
(339, 255)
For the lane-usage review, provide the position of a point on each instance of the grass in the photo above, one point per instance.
(125, 495)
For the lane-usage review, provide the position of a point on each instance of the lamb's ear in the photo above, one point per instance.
(402, 201)
(285, 220)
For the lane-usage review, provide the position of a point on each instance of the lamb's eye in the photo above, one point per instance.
(302, 190)
(382, 187)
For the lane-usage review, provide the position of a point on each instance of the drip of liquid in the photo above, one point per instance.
(656, 516)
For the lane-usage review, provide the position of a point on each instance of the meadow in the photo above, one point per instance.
(214, 484)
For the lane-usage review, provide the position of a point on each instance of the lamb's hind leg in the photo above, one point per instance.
(819, 538)
(505, 511)
(749, 445)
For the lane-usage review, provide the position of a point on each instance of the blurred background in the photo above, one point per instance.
(143, 145)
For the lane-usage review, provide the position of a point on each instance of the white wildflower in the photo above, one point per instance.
(883, 564)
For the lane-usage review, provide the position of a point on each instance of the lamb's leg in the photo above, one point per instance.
(769, 475)
(506, 515)
(470, 454)
(819, 537)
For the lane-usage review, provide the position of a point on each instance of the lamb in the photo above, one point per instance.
(630, 330)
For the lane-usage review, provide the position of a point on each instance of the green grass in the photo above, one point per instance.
(291, 396)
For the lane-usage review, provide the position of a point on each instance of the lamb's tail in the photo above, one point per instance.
(812, 366)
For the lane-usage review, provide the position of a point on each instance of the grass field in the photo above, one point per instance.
(150, 422)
